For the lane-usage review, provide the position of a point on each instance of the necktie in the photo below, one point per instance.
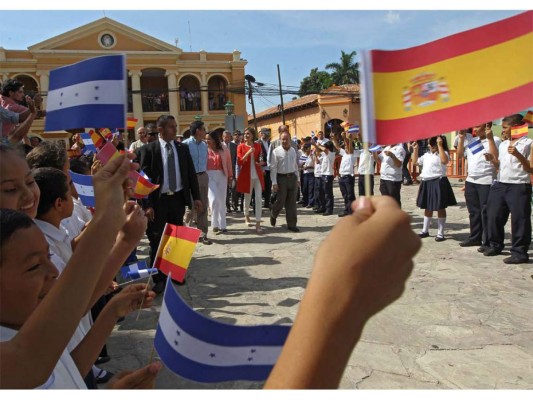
(171, 168)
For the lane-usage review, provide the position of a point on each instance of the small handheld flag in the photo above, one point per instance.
(353, 129)
(528, 118)
(204, 350)
(85, 188)
(144, 186)
(374, 148)
(176, 249)
(89, 93)
(98, 141)
(476, 146)
(519, 131)
(88, 142)
(132, 268)
(131, 122)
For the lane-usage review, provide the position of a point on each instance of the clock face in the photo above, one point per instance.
(107, 40)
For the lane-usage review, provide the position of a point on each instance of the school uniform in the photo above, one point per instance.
(327, 162)
(481, 174)
(435, 191)
(65, 374)
(307, 176)
(318, 193)
(347, 179)
(391, 175)
(511, 193)
(366, 166)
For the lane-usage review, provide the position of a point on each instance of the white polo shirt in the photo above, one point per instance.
(389, 171)
(347, 162)
(480, 170)
(511, 170)
(432, 167)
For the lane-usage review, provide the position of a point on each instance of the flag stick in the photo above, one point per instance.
(142, 301)
(367, 175)
(151, 355)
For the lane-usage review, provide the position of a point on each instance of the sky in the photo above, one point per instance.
(297, 40)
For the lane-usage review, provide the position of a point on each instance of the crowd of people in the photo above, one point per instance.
(59, 299)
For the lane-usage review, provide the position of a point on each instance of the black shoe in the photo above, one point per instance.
(299, 202)
(103, 376)
(309, 206)
(423, 234)
(272, 221)
(342, 215)
(439, 238)
(224, 231)
(205, 240)
(482, 248)
(470, 243)
(327, 213)
(228, 211)
(407, 183)
(491, 252)
(102, 360)
(293, 229)
(159, 287)
(320, 211)
(515, 260)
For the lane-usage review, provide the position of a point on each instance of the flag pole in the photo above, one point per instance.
(368, 193)
(142, 301)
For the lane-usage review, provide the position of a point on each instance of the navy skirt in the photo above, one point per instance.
(435, 194)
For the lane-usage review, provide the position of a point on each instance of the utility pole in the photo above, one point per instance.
(250, 79)
(281, 97)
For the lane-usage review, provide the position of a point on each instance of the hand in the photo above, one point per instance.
(488, 133)
(439, 141)
(150, 214)
(109, 184)
(461, 134)
(198, 206)
(489, 157)
(96, 166)
(513, 151)
(136, 222)
(363, 282)
(112, 287)
(131, 298)
(143, 378)
(31, 105)
(388, 153)
(275, 187)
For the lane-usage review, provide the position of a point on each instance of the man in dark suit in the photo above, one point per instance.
(231, 198)
(167, 163)
(265, 145)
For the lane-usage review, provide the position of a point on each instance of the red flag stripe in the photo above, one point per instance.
(450, 119)
(178, 273)
(183, 232)
(454, 45)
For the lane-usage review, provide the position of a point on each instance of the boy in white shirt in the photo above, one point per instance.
(391, 171)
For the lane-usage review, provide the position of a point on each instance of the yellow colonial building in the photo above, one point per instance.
(162, 78)
(315, 112)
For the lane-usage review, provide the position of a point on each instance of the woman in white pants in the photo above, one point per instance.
(220, 173)
(250, 177)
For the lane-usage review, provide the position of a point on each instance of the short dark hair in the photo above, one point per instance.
(11, 85)
(513, 120)
(151, 128)
(53, 185)
(11, 221)
(47, 154)
(195, 125)
(162, 121)
(80, 165)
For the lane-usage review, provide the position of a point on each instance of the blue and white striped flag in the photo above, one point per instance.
(88, 142)
(203, 350)
(353, 129)
(89, 93)
(134, 268)
(374, 148)
(84, 187)
(476, 146)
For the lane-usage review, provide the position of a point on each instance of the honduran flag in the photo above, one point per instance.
(85, 188)
(353, 129)
(137, 270)
(519, 131)
(201, 349)
(176, 249)
(88, 142)
(448, 84)
(89, 93)
(374, 148)
(476, 146)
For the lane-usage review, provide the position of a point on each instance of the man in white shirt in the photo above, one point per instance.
(391, 171)
(481, 174)
(285, 182)
(141, 141)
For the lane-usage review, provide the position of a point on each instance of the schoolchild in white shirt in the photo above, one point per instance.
(511, 193)
(435, 192)
(366, 166)
(319, 207)
(327, 161)
(391, 171)
(346, 172)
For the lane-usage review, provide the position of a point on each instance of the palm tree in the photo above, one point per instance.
(346, 71)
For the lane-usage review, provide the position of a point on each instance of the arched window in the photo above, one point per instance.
(31, 87)
(217, 92)
(189, 87)
(154, 90)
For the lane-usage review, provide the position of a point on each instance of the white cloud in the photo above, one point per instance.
(391, 17)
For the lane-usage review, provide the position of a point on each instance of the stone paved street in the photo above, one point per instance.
(464, 321)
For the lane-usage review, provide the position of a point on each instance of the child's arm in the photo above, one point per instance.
(128, 300)
(30, 357)
(442, 154)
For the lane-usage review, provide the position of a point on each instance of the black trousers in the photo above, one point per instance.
(327, 185)
(513, 198)
(346, 184)
(476, 196)
(361, 185)
(391, 188)
(308, 189)
(319, 194)
(405, 171)
(167, 209)
(267, 192)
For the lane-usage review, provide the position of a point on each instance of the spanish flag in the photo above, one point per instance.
(144, 186)
(131, 122)
(106, 133)
(528, 118)
(176, 249)
(518, 131)
(461, 80)
(96, 138)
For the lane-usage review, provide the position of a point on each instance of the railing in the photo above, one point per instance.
(154, 101)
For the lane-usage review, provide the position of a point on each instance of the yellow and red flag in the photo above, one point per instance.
(131, 122)
(176, 249)
(528, 118)
(461, 80)
(518, 131)
(144, 186)
(106, 133)
(96, 138)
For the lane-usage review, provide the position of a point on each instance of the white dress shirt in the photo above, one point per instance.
(164, 186)
(283, 162)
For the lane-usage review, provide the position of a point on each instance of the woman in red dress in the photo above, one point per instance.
(250, 177)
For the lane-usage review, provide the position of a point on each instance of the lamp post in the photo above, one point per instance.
(229, 107)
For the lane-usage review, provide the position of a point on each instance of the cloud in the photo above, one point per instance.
(391, 17)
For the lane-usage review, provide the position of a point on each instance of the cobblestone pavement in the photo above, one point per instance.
(464, 321)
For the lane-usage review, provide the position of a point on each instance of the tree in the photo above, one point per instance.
(346, 71)
(315, 82)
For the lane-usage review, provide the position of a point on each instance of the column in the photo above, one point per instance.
(173, 100)
(204, 96)
(43, 85)
(136, 97)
